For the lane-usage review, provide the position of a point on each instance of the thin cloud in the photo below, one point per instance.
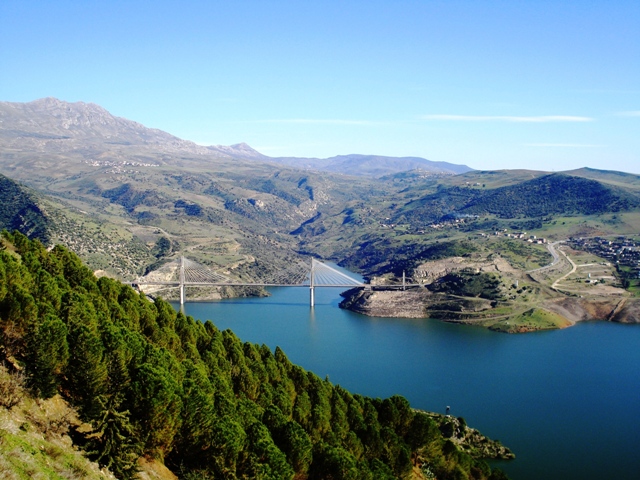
(319, 121)
(507, 118)
(633, 113)
(564, 145)
(606, 91)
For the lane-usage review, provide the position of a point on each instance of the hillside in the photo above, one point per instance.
(20, 211)
(422, 215)
(146, 380)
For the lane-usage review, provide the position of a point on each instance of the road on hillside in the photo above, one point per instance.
(574, 267)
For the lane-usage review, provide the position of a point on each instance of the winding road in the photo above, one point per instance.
(556, 257)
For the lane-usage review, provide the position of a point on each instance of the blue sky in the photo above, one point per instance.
(547, 85)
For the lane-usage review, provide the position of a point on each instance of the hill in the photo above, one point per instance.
(146, 380)
(547, 195)
(421, 218)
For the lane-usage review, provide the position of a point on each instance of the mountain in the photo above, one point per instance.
(239, 150)
(54, 124)
(123, 180)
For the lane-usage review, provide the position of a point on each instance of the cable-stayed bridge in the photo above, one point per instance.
(187, 273)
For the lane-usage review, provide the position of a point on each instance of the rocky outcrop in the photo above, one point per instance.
(412, 303)
(623, 310)
(469, 440)
(385, 303)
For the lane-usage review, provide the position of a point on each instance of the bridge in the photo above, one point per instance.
(187, 273)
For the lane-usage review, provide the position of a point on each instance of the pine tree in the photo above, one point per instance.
(47, 355)
(114, 445)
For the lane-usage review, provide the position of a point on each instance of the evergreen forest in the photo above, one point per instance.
(153, 382)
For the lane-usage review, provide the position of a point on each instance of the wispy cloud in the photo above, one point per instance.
(321, 121)
(508, 118)
(564, 145)
(633, 113)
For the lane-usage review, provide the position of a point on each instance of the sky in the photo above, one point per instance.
(543, 85)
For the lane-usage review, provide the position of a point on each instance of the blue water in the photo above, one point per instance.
(566, 402)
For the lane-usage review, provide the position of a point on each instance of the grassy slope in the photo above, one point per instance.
(34, 441)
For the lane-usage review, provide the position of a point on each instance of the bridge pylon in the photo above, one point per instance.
(312, 299)
(181, 281)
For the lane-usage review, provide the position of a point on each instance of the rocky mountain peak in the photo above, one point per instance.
(49, 118)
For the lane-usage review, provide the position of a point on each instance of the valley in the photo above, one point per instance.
(129, 199)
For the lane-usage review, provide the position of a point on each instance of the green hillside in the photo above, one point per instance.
(20, 211)
(554, 194)
(418, 217)
(153, 382)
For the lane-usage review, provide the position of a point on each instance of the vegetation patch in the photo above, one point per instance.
(522, 254)
(469, 284)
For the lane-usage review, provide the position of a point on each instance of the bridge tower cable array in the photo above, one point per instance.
(192, 274)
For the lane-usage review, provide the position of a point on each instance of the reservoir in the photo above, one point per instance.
(567, 402)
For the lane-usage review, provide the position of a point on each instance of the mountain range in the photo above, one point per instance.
(54, 126)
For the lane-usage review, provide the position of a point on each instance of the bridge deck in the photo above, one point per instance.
(213, 284)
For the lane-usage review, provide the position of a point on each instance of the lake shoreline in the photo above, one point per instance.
(551, 314)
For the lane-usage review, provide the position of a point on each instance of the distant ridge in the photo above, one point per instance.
(373, 165)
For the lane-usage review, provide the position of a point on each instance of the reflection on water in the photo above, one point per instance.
(565, 401)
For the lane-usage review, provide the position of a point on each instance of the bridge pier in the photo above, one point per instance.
(312, 292)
